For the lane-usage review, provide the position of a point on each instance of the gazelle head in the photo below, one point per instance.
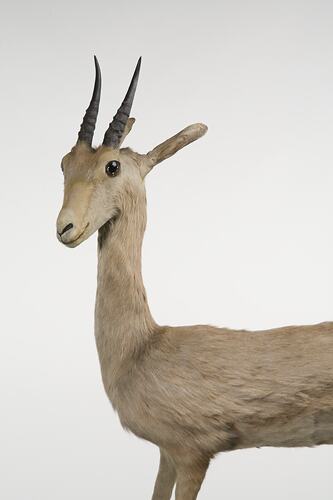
(98, 180)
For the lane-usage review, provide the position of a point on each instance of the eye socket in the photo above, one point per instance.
(112, 168)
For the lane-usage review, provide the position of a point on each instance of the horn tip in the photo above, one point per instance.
(96, 61)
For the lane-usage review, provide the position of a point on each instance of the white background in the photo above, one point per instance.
(239, 224)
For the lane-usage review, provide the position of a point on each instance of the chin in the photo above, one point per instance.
(73, 244)
(77, 240)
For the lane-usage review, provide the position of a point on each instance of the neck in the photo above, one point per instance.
(123, 322)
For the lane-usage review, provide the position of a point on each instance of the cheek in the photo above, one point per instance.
(103, 204)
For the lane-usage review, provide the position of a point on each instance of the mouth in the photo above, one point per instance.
(75, 240)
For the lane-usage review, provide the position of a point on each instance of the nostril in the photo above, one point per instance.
(66, 228)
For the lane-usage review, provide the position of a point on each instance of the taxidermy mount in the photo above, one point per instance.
(193, 391)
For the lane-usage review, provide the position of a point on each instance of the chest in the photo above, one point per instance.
(121, 381)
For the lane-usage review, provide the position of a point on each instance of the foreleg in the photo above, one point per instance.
(166, 478)
(189, 480)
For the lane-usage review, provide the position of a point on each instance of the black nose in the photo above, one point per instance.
(66, 228)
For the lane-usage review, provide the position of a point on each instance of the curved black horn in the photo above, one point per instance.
(116, 128)
(89, 120)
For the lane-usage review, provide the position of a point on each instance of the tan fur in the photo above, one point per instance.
(193, 390)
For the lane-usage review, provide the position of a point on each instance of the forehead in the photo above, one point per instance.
(82, 155)
(86, 162)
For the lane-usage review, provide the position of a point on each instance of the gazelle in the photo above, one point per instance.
(193, 391)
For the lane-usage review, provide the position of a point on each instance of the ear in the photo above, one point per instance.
(128, 127)
(172, 145)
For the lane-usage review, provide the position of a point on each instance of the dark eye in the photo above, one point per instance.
(112, 168)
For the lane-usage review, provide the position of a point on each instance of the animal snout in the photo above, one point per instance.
(66, 230)
(68, 227)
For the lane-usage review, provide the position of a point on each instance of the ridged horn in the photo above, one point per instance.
(87, 128)
(113, 135)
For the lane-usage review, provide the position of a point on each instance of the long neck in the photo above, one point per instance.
(123, 322)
